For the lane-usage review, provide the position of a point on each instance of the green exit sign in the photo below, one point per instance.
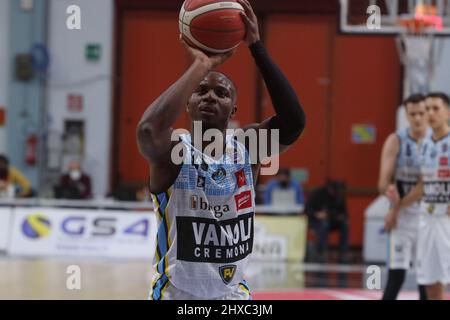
(93, 51)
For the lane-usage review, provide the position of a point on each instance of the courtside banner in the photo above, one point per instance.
(279, 238)
(5, 227)
(80, 232)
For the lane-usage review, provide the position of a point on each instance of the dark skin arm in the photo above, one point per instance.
(155, 127)
(252, 36)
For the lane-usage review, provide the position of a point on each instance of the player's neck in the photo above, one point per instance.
(440, 132)
(418, 135)
(198, 140)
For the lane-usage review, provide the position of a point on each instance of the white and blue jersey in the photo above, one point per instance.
(434, 226)
(205, 220)
(403, 239)
(407, 169)
(436, 175)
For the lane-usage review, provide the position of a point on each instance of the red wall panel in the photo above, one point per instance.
(366, 82)
(152, 59)
(301, 46)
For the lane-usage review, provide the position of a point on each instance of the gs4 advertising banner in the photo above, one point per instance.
(75, 232)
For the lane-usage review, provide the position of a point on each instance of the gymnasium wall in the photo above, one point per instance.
(72, 73)
(441, 81)
(4, 67)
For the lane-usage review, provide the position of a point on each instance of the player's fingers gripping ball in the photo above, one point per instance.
(212, 26)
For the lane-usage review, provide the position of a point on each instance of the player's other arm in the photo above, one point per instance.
(155, 127)
(290, 117)
(414, 195)
(389, 156)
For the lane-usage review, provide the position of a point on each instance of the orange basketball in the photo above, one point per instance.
(213, 26)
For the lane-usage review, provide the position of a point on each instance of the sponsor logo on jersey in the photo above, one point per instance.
(198, 203)
(437, 192)
(444, 148)
(227, 273)
(240, 178)
(443, 161)
(213, 241)
(243, 200)
(444, 173)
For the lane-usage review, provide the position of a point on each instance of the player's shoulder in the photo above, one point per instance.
(402, 133)
(393, 140)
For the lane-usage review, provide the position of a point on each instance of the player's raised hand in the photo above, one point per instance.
(251, 23)
(211, 61)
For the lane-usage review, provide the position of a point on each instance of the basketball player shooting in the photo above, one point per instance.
(400, 163)
(205, 207)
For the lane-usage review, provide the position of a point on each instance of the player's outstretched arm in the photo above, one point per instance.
(290, 117)
(389, 155)
(155, 127)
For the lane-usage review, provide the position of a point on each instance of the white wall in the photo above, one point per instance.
(70, 72)
(442, 72)
(4, 65)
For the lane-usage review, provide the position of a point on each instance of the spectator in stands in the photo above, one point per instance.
(12, 182)
(75, 184)
(327, 211)
(282, 190)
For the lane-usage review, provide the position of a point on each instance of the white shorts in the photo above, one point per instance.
(162, 289)
(433, 250)
(402, 243)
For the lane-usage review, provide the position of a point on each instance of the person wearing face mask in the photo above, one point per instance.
(75, 184)
(282, 190)
(12, 182)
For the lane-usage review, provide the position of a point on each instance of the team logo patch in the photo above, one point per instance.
(443, 161)
(227, 273)
(431, 208)
(444, 173)
(399, 248)
(219, 174)
(243, 200)
(240, 178)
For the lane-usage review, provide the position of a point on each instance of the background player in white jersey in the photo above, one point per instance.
(433, 245)
(399, 172)
(205, 209)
